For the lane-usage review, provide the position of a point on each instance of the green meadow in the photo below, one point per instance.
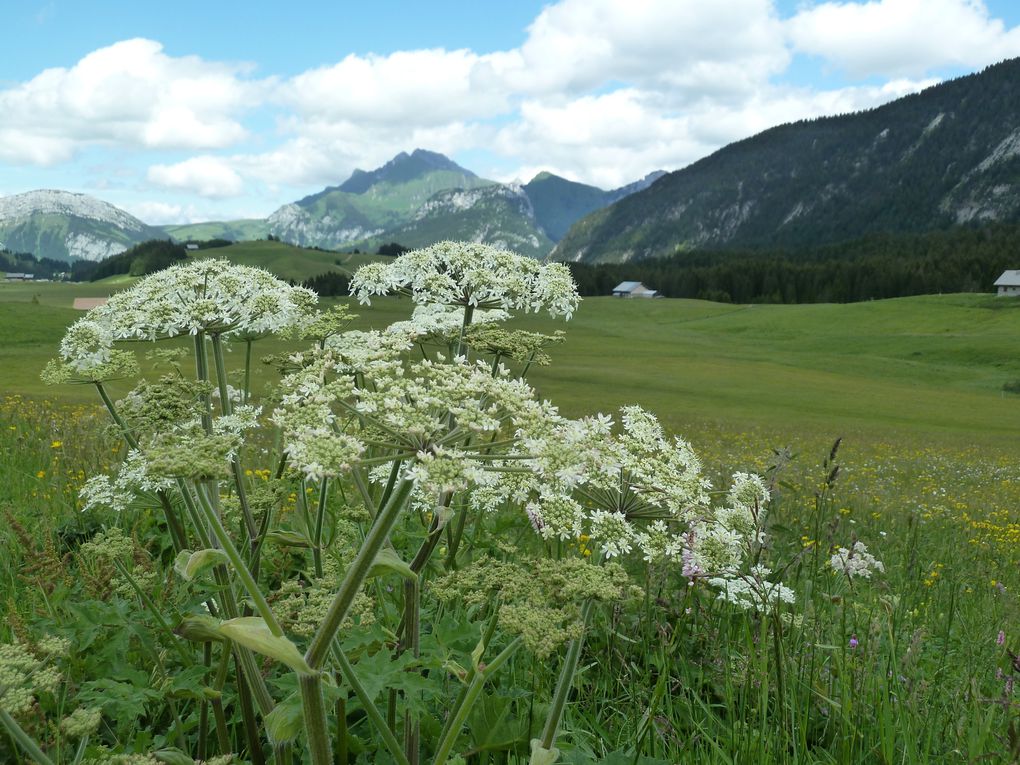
(909, 667)
(924, 367)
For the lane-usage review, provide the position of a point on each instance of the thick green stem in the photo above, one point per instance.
(490, 630)
(227, 408)
(356, 574)
(469, 312)
(315, 720)
(247, 370)
(251, 728)
(23, 739)
(470, 698)
(341, 731)
(412, 643)
(368, 704)
(125, 431)
(247, 580)
(320, 515)
(311, 685)
(202, 373)
(565, 682)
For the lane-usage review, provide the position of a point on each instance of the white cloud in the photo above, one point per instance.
(204, 175)
(162, 213)
(128, 94)
(599, 91)
(893, 38)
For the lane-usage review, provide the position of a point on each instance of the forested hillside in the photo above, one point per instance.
(947, 156)
(963, 259)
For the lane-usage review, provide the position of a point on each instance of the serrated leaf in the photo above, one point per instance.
(387, 561)
(190, 564)
(288, 539)
(253, 632)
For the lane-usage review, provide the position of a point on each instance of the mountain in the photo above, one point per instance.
(67, 226)
(370, 203)
(559, 203)
(499, 214)
(946, 156)
(419, 198)
(245, 230)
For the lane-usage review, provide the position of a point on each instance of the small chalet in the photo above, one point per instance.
(15, 277)
(1008, 283)
(191, 246)
(633, 290)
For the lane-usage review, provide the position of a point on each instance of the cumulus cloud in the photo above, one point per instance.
(127, 94)
(903, 37)
(206, 175)
(162, 213)
(600, 91)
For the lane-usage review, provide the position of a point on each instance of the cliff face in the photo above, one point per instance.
(67, 226)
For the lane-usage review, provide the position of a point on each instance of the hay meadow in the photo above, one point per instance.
(887, 422)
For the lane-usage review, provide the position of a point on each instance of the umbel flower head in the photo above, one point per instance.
(201, 296)
(471, 274)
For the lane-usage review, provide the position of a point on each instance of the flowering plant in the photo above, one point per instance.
(399, 447)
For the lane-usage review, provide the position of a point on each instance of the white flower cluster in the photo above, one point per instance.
(471, 274)
(753, 591)
(421, 408)
(204, 295)
(436, 319)
(117, 493)
(855, 562)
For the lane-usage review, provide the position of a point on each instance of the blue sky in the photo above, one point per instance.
(212, 110)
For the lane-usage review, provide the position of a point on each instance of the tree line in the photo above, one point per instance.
(871, 267)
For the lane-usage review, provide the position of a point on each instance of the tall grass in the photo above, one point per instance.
(905, 668)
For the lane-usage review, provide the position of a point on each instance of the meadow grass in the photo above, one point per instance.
(906, 668)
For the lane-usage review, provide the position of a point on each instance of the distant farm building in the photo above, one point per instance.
(633, 290)
(1008, 283)
(191, 246)
(86, 304)
(15, 277)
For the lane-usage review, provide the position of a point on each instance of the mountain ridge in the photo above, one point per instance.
(415, 198)
(948, 155)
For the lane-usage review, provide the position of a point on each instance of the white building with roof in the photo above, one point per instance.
(634, 290)
(1008, 283)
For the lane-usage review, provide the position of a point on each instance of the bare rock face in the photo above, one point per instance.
(68, 226)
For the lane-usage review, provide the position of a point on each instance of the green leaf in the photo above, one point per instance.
(491, 725)
(288, 539)
(253, 632)
(284, 723)
(173, 757)
(200, 629)
(542, 756)
(190, 564)
(387, 561)
(476, 654)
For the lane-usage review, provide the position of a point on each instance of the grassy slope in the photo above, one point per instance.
(238, 230)
(913, 367)
(286, 260)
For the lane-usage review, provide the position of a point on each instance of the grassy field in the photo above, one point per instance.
(927, 367)
(906, 668)
(288, 261)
